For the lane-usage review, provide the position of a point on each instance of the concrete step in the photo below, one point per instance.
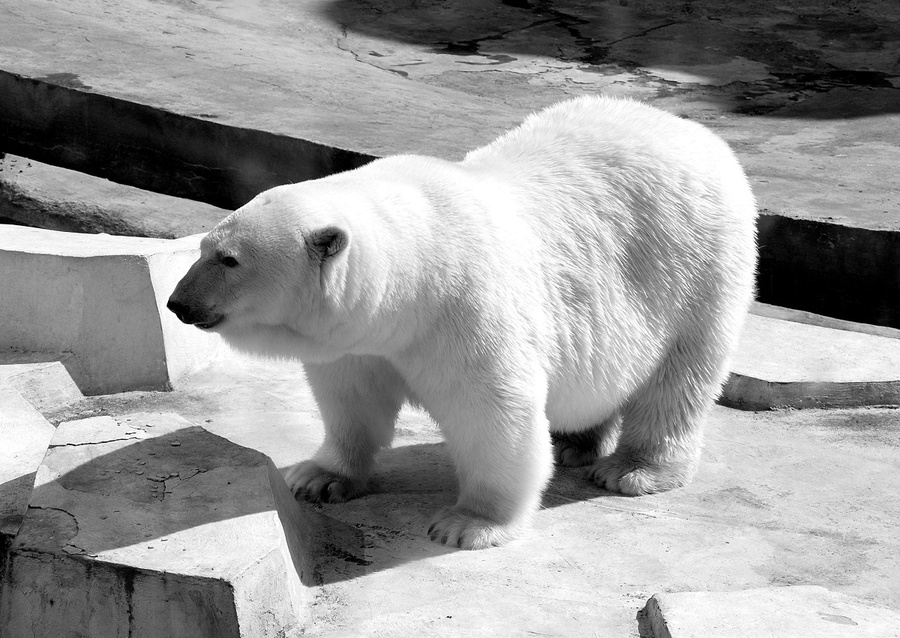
(775, 612)
(44, 196)
(24, 437)
(101, 299)
(149, 525)
(787, 364)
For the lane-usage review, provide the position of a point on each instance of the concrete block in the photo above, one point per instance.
(783, 363)
(100, 299)
(777, 612)
(41, 378)
(24, 437)
(148, 526)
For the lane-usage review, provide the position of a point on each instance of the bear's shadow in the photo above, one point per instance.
(385, 528)
(388, 526)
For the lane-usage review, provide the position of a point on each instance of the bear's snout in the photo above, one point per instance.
(202, 318)
(181, 310)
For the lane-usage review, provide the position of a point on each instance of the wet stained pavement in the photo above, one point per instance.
(693, 57)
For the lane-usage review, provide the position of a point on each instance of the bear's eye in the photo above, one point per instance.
(229, 261)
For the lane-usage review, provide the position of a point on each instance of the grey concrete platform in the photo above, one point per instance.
(779, 612)
(807, 497)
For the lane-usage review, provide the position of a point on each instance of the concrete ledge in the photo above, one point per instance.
(781, 612)
(100, 299)
(44, 196)
(147, 525)
(783, 363)
(156, 149)
(831, 269)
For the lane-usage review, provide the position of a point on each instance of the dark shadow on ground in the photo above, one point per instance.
(796, 54)
(411, 483)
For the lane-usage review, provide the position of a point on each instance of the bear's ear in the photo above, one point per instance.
(326, 242)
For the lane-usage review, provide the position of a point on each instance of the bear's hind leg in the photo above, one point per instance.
(359, 399)
(577, 449)
(662, 424)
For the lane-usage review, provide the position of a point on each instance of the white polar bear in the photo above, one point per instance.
(587, 274)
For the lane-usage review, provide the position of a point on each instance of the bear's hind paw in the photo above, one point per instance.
(635, 477)
(574, 450)
(455, 527)
(314, 483)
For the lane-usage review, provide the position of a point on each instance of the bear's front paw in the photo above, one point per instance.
(456, 527)
(633, 475)
(314, 483)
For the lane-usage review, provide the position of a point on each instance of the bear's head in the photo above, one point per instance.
(277, 263)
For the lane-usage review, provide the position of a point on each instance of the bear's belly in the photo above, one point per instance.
(576, 406)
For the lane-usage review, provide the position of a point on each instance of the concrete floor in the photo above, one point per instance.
(781, 498)
(808, 93)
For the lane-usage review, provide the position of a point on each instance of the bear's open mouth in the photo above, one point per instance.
(206, 325)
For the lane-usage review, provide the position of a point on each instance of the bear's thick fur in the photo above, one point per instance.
(587, 275)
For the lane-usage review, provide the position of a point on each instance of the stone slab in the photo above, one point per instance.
(782, 363)
(25, 435)
(100, 299)
(780, 612)
(45, 196)
(146, 525)
(41, 378)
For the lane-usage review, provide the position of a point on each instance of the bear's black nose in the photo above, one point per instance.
(181, 311)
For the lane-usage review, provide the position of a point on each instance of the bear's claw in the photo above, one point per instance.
(318, 485)
(457, 528)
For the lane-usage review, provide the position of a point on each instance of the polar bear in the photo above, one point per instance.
(577, 284)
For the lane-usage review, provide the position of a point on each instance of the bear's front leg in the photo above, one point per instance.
(359, 399)
(498, 437)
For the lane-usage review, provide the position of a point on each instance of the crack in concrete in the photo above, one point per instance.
(58, 509)
(127, 438)
(358, 58)
(68, 547)
(465, 45)
(162, 481)
(642, 33)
